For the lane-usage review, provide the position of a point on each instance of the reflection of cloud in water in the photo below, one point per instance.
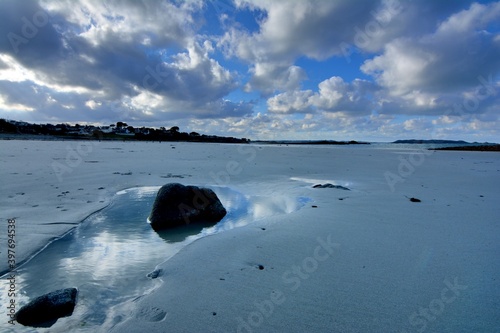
(243, 210)
(262, 207)
(112, 250)
(140, 192)
(109, 257)
(115, 241)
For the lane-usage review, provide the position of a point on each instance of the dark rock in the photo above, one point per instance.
(338, 187)
(488, 147)
(177, 205)
(415, 200)
(154, 274)
(45, 310)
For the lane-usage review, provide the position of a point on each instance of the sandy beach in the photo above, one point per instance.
(364, 260)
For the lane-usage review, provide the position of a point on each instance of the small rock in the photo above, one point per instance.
(154, 274)
(45, 310)
(328, 185)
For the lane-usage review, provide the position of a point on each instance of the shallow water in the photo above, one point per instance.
(109, 255)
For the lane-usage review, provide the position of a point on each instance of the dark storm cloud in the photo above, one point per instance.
(114, 50)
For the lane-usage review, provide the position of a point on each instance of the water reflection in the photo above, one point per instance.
(109, 255)
(181, 233)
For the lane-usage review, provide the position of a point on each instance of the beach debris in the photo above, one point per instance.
(170, 175)
(328, 185)
(179, 205)
(45, 310)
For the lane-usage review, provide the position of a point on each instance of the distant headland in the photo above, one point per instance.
(10, 129)
(312, 142)
(413, 141)
(455, 145)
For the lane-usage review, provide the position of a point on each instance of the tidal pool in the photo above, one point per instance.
(109, 255)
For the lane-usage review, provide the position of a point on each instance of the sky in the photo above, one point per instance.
(372, 70)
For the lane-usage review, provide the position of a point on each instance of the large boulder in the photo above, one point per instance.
(179, 205)
(44, 311)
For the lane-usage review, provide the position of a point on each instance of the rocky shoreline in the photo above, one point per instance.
(471, 148)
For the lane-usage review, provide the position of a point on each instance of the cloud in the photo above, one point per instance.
(449, 59)
(152, 23)
(268, 78)
(291, 102)
(422, 76)
(143, 56)
(265, 68)
(315, 29)
(334, 95)
(317, 126)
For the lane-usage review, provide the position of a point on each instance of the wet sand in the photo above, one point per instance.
(367, 259)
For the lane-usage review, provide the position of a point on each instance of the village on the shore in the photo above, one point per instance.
(118, 131)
